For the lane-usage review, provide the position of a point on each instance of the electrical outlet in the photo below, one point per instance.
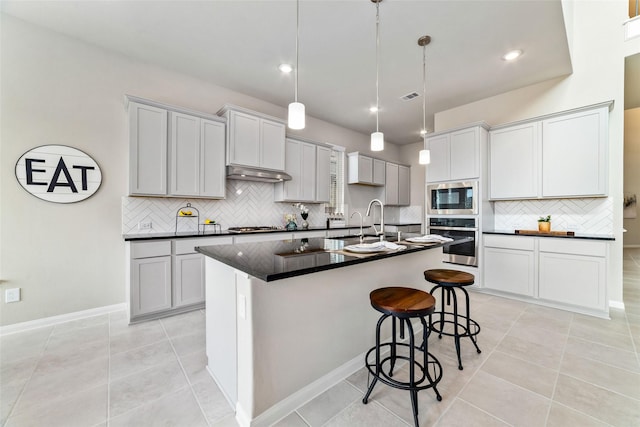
(12, 295)
(144, 225)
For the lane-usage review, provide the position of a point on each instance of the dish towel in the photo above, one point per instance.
(392, 246)
(431, 238)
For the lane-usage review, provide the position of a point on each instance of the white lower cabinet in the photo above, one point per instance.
(188, 279)
(167, 276)
(570, 273)
(509, 265)
(573, 273)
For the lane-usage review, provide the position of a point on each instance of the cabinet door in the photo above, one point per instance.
(323, 174)
(379, 169)
(391, 187)
(272, 145)
(365, 169)
(212, 173)
(188, 280)
(244, 139)
(464, 152)
(439, 168)
(573, 279)
(513, 162)
(185, 155)
(150, 285)
(574, 154)
(292, 189)
(404, 185)
(509, 270)
(147, 150)
(308, 172)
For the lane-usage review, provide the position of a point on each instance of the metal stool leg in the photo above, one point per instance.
(471, 335)
(378, 364)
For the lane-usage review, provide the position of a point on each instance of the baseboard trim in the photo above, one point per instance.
(62, 318)
(302, 396)
(616, 304)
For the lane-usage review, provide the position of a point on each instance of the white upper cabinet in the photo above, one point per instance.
(309, 167)
(513, 162)
(147, 150)
(455, 155)
(175, 152)
(397, 186)
(254, 140)
(574, 154)
(323, 174)
(391, 184)
(365, 170)
(563, 155)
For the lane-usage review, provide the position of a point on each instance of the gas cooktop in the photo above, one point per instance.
(253, 229)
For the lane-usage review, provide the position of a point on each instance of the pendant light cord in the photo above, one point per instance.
(424, 89)
(295, 95)
(377, 62)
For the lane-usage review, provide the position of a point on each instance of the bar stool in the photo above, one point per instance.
(463, 325)
(403, 304)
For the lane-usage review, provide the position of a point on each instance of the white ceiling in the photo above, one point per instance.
(238, 44)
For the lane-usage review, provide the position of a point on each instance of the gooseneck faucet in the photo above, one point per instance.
(381, 232)
(361, 222)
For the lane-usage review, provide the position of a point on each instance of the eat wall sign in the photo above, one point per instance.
(59, 174)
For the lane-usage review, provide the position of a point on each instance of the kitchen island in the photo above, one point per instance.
(288, 319)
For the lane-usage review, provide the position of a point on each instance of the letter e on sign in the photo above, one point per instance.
(59, 174)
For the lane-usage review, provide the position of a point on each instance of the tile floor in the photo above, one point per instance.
(538, 367)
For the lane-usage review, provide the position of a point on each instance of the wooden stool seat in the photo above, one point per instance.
(442, 276)
(402, 302)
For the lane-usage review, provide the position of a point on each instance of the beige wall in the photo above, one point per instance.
(55, 90)
(597, 51)
(632, 172)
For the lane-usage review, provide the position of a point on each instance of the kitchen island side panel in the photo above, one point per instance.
(302, 328)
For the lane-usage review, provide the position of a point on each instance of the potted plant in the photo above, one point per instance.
(544, 224)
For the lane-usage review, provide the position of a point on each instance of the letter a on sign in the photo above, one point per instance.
(58, 173)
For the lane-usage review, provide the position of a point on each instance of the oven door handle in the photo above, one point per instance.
(452, 228)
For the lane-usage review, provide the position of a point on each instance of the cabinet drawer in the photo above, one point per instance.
(575, 247)
(150, 249)
(187, 246)
(509, 242)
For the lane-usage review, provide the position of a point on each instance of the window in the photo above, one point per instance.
(336, 196)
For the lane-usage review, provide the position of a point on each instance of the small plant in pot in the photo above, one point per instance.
(544, 224)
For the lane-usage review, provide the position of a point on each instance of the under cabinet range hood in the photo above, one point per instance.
(254, 174)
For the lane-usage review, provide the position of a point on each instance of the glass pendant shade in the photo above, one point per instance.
(377, 141)
(424, 157)
(296, 115)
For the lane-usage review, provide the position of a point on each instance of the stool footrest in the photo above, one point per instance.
(438, 325)
(433, 377)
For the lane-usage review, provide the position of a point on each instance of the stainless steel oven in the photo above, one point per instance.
(453, 198)
(456, 228)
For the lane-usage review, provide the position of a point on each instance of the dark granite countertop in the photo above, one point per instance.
(282, 259)
(179, 235)
(577, 236)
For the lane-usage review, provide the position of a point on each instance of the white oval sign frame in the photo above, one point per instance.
(58, 173)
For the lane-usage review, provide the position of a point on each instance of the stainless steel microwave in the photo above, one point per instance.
(453, 198)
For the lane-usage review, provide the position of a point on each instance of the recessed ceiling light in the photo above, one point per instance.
(285, 68)
(373, 109)
(510, 56)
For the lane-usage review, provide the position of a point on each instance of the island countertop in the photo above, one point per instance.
(275, 260)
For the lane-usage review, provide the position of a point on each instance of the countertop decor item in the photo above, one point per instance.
(544, 224)
(188, 212)
(290, 222)
(304, 213)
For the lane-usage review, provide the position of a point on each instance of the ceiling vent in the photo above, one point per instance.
(410, 96)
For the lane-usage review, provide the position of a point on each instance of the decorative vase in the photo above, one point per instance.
(305, 224)
(544, 226)
(291, 225)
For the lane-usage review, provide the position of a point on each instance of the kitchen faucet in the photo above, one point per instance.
(361, 220)
(381, 232)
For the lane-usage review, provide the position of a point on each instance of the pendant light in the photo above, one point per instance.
(424, 157)
(377, 137)
(296, 109)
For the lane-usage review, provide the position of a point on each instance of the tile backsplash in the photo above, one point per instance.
(247, 204)
(589, 215)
